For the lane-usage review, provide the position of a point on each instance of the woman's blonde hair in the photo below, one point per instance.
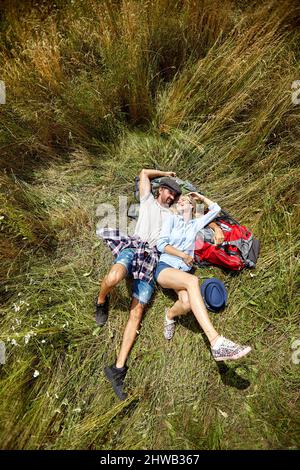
(191, 200)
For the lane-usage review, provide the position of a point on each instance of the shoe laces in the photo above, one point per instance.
(228, 344)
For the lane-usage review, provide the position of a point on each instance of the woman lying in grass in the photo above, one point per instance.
(176, 243)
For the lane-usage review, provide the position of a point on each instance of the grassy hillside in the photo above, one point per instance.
(97, 90)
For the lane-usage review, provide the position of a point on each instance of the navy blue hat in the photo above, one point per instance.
(214, 294)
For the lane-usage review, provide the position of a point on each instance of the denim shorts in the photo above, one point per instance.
(161, 265)
(142, 290)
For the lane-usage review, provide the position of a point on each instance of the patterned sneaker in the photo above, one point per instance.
(226, 350)
(169, 326)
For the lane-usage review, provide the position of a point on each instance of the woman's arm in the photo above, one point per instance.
(171, 250)
(213, 210)
(164, 238)
(201, 198)
(163, 243)
(218, 233)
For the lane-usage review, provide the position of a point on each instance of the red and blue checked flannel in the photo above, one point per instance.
(145, 257)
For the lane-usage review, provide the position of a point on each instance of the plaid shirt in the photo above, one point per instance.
(145, 258)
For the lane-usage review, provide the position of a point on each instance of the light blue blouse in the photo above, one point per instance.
(182, 235)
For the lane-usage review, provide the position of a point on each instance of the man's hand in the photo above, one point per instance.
(189, 260)
(218, 235)
(170, 173)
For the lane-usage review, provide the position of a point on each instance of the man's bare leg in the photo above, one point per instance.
(117, 372)
(115, 275)
(130, 333)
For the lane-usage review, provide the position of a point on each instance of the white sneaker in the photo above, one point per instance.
(226, 350)
(169, 326)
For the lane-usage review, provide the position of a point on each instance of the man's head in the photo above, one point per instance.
(168, 192)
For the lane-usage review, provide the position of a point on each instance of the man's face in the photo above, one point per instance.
(166, 196)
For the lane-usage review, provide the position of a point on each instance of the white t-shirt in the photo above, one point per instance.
(150, 220)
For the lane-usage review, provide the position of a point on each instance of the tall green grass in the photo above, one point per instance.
(96, 91)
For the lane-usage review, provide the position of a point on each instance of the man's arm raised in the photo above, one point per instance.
(147, 175)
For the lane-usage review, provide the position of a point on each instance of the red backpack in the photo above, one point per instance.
(238, 251)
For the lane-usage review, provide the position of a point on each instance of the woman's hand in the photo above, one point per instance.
(200, 197)
(189, 260)
(196, 196)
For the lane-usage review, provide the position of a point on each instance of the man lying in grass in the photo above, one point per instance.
(130, 260)
(176, 243)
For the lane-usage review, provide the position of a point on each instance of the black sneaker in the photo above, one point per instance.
(102, 312)
(116, 377)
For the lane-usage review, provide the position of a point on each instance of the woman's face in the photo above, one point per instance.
(184, 204)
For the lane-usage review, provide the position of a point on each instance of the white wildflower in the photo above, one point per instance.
(14, 342)
(27, 338)
(223, 413)
(77, 410)
(36, 374)
(43, 341)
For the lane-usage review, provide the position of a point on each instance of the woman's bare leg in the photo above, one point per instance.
(178, 280)
(181, 306)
